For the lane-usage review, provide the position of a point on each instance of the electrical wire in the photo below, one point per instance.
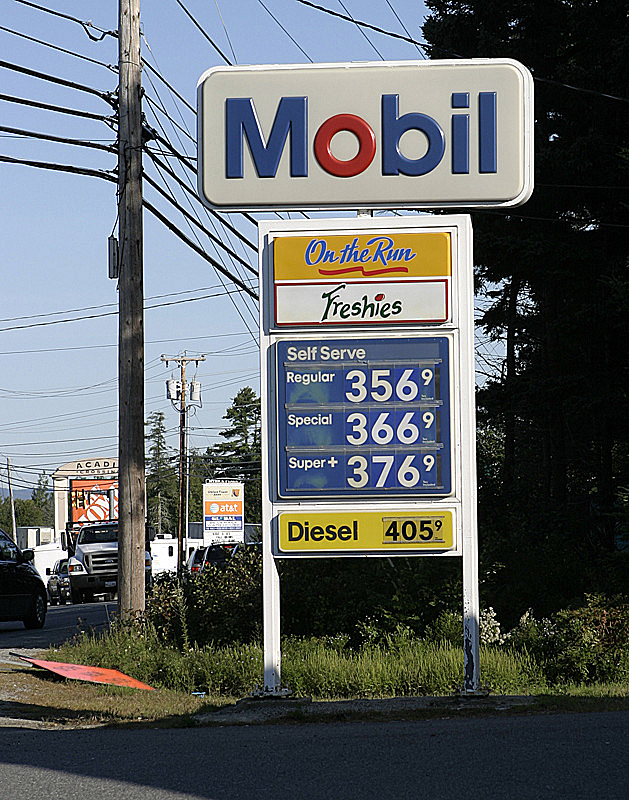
(85, 25)
(93, 173)
(50, 138)
(270, 13)
(146, 308)
(195, 222)
(111, 67)
(152, 69)
(406, 30)
(59, 109)
(450, 52)
(156, 107)
(187, 188)
(198, 26)
(235, 266)
(373, 46)
(108, 97)
(165, 221)
(229, 41)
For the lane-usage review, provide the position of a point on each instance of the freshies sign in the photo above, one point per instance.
(412, 134)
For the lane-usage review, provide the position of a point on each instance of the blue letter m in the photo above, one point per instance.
(241, 120)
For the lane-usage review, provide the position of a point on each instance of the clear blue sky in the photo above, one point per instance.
(58, 395)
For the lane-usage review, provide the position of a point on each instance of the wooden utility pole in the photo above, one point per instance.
(131, 481)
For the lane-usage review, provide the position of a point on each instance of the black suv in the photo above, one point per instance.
(22, 591)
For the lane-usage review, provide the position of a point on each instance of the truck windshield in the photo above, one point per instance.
(98, 535)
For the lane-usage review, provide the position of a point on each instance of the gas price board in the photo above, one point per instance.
(368, 417)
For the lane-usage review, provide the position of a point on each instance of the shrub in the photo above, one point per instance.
(591, 643)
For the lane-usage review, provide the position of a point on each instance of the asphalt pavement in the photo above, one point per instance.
(525, 757)
(62, 623)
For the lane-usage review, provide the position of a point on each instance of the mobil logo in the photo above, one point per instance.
(424, 134)
(291, 125)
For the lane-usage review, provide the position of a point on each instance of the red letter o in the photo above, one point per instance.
(366, 145)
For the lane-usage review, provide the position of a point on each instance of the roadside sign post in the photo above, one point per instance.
(366, 325)
(223, 512)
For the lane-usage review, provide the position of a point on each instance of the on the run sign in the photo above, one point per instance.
(420, 134)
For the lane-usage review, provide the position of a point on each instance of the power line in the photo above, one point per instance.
(107, 96)
(85, 25)
(270, 13)
(60, 109)
(201, 227)
(198, 26)
(187, 188)
(171, 226)
(49, 137)
(344, 7)
(163, 111)
(358, 22)
(450, 52)
(111, 67)
(196, 237)
(406, 30)
(242, 286)
(168, 85)
(93, 173)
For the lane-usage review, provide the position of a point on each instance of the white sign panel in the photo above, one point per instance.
(223, 512)
(420, 134)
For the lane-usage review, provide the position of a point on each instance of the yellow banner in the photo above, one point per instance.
(379, 531)
(356, 257)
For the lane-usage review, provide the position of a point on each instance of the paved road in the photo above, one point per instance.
(62, 623)
(524, 757)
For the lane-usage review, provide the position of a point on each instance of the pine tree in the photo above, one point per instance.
(161, 477)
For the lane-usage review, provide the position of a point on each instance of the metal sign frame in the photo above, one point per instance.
(454, 508)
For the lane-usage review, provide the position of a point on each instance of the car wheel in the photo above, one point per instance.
(37, 617)
(53, 601)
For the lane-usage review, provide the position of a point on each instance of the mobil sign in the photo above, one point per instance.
(415, 134)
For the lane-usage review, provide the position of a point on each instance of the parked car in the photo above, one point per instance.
(22, 591)
(59, 583)
(213, 555)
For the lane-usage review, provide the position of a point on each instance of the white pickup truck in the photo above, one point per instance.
(93, 566)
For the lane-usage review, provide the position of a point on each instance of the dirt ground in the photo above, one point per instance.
(34, 698)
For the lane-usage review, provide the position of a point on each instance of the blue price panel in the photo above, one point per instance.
(366, 416)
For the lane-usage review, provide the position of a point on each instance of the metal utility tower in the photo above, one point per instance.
(177, 394)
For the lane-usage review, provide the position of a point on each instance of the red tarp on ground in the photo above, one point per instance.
(83, 673)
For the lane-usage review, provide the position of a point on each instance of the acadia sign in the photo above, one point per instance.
(413, 134)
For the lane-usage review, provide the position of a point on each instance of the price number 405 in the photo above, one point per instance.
(411, 530)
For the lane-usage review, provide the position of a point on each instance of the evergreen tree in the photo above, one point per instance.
(558, 276)
(238, 457)
(162, 494)
(43, 501)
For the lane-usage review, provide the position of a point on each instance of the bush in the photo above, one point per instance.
(591, 644)
(222, 605)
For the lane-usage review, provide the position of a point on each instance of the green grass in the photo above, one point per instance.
(309, 667)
